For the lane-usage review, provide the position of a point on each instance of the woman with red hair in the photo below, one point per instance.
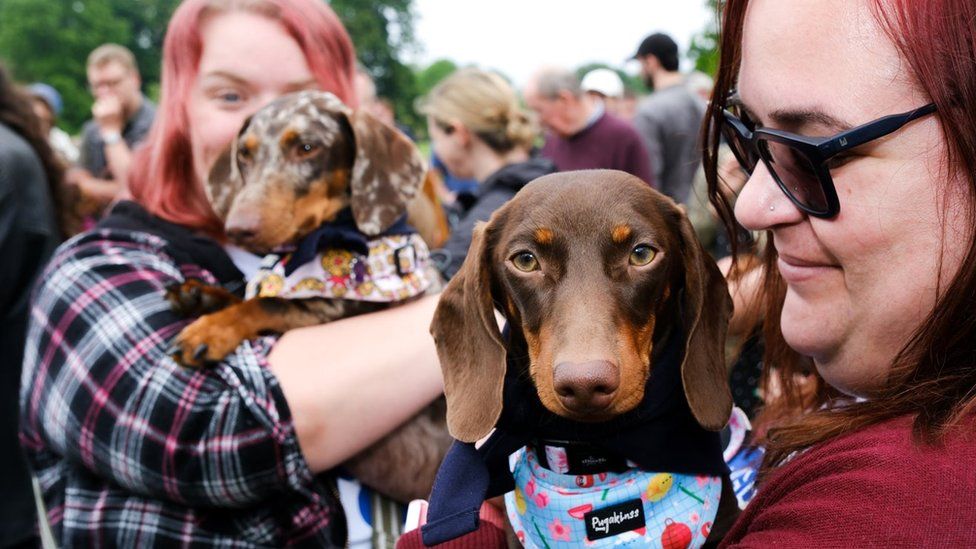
(129, 448)
(857, 122)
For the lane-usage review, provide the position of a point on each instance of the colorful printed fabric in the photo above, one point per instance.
(132, 450)
(395, 269)
(550, 510)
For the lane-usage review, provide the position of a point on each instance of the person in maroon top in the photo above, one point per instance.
(580, 134)
(856, 120)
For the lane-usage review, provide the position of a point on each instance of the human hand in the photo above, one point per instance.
(78, 177)
(108, 114)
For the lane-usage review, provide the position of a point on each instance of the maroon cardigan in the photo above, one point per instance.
(872, 488)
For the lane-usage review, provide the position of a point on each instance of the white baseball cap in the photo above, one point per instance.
(603, 81)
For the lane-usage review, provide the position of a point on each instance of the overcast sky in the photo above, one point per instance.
(517, 36)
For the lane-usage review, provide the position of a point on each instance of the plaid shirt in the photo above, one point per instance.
(132, 450)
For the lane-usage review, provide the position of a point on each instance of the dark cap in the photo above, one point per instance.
(661, 46)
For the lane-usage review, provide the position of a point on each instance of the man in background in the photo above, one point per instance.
(121, 118)
(581, 134)
(669, 119)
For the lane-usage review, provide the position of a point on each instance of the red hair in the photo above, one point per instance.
(933, 377)
(162, 177)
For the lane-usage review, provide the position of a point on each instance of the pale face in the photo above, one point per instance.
(451, 148)
(247, 61)
(115, 79)
(861, 283)
(550, 110)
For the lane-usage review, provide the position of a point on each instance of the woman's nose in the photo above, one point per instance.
(762, 204)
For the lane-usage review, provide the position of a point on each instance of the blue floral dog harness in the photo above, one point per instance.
(554, 510)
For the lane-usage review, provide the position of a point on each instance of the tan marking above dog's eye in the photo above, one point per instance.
(525, 261)
(620, 234)
(641, 255)
(543, 236)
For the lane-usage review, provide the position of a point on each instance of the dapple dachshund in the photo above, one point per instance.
(611, 367)
(306, 171)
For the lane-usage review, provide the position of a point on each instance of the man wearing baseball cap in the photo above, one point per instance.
(669, 119)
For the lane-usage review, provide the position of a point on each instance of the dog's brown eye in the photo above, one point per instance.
(306, 149)
(244, 154)
(641, 255)
(525, 262)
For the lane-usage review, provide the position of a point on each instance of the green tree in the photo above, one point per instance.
(49, 41)
(382, 31)
(704, 46)
(428, 77)
(44, 40)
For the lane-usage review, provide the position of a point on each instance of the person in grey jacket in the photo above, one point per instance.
(669, 120)
(479, 130)
(28, 235)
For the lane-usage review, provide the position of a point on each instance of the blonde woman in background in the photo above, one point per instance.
(479, 130)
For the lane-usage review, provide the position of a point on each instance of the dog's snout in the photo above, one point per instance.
(586, 387)
(242, 228)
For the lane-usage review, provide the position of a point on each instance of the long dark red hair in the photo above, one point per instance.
(933, 377)
(162, 177)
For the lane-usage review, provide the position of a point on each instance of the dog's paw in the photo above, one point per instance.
(206, 341)
(194, 298)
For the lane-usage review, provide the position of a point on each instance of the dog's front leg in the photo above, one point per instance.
(212, 337)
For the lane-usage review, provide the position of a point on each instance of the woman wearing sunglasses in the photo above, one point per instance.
(857, 122)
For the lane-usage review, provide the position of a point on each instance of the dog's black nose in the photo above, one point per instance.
(240, 235)
(586, 387)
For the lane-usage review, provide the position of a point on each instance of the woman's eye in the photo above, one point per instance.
(641, 255)
(230, 97)
(525, 262)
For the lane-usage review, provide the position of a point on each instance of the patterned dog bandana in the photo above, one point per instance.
(395, 269)
(637, 508)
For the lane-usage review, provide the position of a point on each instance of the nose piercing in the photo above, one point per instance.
(772, 207)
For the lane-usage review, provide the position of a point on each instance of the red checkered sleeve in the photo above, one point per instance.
(100, 396)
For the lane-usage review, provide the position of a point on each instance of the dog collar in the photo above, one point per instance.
(577, 458)
(633, 507)
(395, 269)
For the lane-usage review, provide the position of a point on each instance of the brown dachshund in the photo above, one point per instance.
(597, 275)
(295, 167)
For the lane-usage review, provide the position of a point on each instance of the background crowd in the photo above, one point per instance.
(117, 437)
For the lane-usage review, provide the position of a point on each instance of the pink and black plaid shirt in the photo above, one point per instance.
(132, 450)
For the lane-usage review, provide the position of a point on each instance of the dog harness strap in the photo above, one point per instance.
(638, 508)
(395, 269)
(577, 458)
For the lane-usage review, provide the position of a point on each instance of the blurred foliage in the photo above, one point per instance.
(47, 41)
(704, 45)
(428, 77)
(382, 31)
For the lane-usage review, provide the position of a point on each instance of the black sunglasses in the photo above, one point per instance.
(799, 164)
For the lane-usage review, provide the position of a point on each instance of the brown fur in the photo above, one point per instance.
(294, 166)
(587, 308)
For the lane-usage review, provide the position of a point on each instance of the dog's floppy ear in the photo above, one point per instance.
(224, 180)
(706, 307)
(469, 345)
(387, 172)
